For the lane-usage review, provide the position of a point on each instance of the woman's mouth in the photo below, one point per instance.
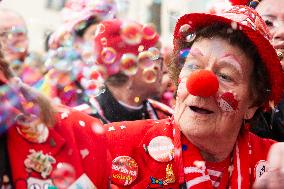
(200, 110)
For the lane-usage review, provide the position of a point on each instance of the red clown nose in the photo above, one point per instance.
(202, 83)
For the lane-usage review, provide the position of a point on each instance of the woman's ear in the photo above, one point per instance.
(250, 112)
(130, 82)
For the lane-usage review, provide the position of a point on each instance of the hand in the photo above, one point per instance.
(274, 177)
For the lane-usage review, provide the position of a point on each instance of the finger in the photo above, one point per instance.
(275, 160)
(275, 180)
(261, 183)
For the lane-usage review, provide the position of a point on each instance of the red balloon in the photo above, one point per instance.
(203, 83)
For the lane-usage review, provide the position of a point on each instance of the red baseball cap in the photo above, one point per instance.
(251, 24)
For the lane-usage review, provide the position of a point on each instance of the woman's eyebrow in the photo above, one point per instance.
(269, 15)
(196, 52)
(233, 62)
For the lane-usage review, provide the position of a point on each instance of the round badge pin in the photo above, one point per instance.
(260, 168)
(124, 170)
(161, 149)
(64, 175)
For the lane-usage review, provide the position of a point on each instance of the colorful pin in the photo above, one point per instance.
(260, 168)
(155, 183)
(170, 176)
(39, 162)
(124, 170)
(64, 175)
(160, 183)
(161, 149)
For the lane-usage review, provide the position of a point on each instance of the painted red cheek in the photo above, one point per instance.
(228, 102)
(203, 83)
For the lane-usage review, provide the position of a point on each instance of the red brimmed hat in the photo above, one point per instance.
(116, 38)
(239, 2)
(250, 23)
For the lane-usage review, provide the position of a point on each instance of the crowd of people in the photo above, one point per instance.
(109, 106)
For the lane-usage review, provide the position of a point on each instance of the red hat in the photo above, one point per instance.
(119, 40)
(239, 2)
(251, 24)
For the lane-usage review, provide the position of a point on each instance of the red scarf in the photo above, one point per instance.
(195, 172)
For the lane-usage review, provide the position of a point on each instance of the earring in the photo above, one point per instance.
(280, 55)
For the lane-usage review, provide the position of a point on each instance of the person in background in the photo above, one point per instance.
(168, 88)
(271, 123)
(71, 50)
(43, 145)
(273, 15)
(221, 86)
(15, 43)
(130, 62)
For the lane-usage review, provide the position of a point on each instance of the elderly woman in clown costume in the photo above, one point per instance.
(226, 71)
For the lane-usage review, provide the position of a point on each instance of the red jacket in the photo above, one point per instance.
(74, 140)
(132, 139)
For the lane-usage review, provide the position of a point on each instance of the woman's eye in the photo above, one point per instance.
(193, 66)
(269, 23)
(225, 77)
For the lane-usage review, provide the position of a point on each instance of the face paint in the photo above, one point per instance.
(233, 61)
(227, 102)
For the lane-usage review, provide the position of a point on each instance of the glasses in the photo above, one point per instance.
(159, 62)
(13, 32)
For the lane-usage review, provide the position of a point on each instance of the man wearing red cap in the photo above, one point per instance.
(129, 60)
